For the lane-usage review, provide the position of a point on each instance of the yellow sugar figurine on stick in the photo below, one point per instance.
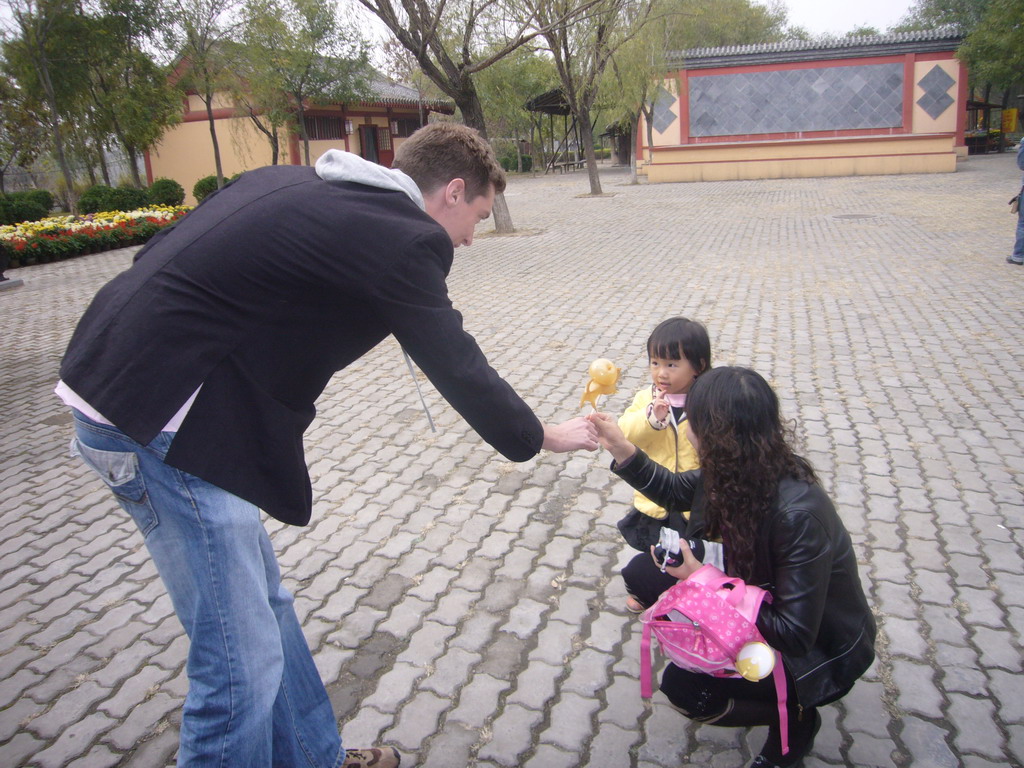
(603, 378)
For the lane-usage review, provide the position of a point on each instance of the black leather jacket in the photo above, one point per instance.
(819, 618)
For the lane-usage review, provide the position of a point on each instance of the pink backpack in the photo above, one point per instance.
(701, 624)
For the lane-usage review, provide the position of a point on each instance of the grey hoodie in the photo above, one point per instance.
(338, 165)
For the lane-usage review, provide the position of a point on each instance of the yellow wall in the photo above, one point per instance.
(670, 136)
(185, 153)
(827, 157)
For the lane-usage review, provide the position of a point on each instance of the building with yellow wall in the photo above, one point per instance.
(372, 129)
(857, 106)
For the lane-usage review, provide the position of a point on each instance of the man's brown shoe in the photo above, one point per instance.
(374, 757)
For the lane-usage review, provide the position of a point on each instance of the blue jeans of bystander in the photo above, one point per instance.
(1018, 245)
(255, 698)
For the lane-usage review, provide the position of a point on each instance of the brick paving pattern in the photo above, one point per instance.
(467, 609)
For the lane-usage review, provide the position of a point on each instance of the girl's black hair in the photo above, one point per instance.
(680, 337)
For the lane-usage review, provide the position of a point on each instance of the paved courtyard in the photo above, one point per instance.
(467, 609)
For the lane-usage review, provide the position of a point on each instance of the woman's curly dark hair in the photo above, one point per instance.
(744, 450)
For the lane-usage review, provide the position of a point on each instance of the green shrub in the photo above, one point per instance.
(14, 210)
(205, 186)
(103, 198)
(95, 199)
(126, 198)
(509, 163)
(40, 196)
(166, 192)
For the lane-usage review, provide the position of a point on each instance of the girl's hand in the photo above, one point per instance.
(611, 437)
(689, 565)
(659, 406)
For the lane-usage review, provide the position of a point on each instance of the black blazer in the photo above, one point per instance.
(260, 295)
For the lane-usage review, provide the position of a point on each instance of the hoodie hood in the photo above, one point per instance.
(338, 165)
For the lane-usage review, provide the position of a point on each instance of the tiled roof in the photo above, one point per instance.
(387, 91)
(939, 38)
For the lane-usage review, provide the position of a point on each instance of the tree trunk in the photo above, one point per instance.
(634, 126)
(58, 139)
(587, 137)
(468, 103)
(208, 101)
(133, 166)
(303, 134)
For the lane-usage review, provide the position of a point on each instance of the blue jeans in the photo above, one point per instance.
(255, 698)
(1018, 245)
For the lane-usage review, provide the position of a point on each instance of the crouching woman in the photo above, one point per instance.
(779, 531)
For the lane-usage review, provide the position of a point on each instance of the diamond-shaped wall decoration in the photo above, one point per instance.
(662, 114)
(935, 100)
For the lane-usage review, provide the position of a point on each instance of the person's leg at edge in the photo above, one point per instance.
(1018, 245)
(255, 697)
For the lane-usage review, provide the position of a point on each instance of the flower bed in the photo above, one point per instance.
(61, 237)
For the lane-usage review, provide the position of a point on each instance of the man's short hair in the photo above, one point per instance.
(440, 152)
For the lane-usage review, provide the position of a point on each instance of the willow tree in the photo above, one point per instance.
(639, 67)
(302, 49)
(198, 30)
(582, 50)
(45, 59)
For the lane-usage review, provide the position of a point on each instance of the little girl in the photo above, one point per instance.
(679, 351)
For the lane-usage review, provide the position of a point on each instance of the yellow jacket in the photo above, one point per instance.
(669, 447)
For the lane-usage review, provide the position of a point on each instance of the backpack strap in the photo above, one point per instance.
(779, 673)
(646, 689)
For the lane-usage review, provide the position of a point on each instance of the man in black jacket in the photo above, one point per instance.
(193, 376)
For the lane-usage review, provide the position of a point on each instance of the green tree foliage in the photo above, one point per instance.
(994, 49)
(582, 48)
(928, 14)
(47, 63)
(131, 96)
(676, 26)
(863, 31)
(504, 89)
(454, 41)
(993, 46)
(301, 48)
(717, 23)
(22, 132)
(197, 30)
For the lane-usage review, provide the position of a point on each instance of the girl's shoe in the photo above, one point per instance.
(375, 757)
(633, 605)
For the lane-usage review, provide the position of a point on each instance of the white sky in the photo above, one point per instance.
(840, 16)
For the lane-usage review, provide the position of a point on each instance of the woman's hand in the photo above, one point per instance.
(689, 565)
(611, 437)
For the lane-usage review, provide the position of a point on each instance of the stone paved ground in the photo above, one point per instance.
(467, 609)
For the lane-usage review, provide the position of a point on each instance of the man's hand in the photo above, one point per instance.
(570, 435)
(611, 436)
